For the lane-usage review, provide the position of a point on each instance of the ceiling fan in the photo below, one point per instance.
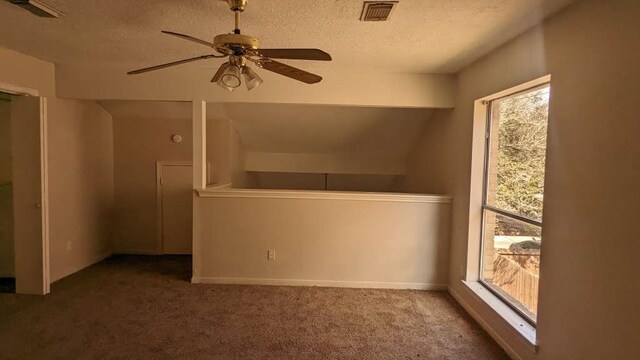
(241, 49)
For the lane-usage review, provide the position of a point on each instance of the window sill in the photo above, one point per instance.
(525, 330)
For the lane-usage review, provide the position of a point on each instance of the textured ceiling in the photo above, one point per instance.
(427, 36)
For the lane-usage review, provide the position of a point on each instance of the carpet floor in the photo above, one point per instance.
(143, 307)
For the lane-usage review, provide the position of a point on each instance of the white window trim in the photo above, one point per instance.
(472, 275)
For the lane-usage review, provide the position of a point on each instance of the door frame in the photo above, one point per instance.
(44, 174)
(159, 211)
(17, 90)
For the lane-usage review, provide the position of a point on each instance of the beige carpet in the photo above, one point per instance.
(135, 307)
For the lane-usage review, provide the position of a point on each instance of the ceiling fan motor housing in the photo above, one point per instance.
(235, 44)
(237, 5)
(236, 60)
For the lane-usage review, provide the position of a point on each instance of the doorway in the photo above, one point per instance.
(7, 247)
(24, 254)
(175, 210)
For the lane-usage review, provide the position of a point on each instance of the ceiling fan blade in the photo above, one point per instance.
(290, 71)
(220, 71)
(190, 38)
(296, 54)
(158, 67)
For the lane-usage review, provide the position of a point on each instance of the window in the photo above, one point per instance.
(513, 197)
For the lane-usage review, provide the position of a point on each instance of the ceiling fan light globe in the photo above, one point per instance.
(222, 85)
(231, 81)
(231, 77)
(251, 79)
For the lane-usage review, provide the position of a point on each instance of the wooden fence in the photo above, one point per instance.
(515, 280)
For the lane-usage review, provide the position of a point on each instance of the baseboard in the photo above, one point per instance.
(135, 252)
(321, 283)
(485, 325)
(101, 257)
(94, 260)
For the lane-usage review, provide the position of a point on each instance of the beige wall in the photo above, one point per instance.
(187, 83)
(325, 139)
(5, 140)
(239, 176)
(7, 261)
(138, 143)
(315, 181)
(588, 291)
(80, 143)
(333, 163)
(429, 164)
(30, 203)
(225, 155)
(80, 167)
(335, 240)
(7, 246)
(218, 150)
(291, 180)
(26, 71)
(20, 70)
(297, 138)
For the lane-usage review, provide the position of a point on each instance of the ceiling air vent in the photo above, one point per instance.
(38, 8)
(377, 10)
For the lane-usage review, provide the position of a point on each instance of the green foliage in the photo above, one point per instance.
(522, 143)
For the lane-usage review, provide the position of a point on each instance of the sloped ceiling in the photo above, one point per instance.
(148, 109)
(300, 129)
(423, 36)
(286, 128)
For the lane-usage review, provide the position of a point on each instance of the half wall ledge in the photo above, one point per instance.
(222, 192)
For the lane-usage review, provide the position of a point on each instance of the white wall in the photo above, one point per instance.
(80, 143)
(588, 288)
(26, 71)
(329, 239)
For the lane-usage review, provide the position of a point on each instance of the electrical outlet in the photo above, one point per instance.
(69, 246)
(271, 255)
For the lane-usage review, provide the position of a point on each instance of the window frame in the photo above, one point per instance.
(470, 271)
(485, 207)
